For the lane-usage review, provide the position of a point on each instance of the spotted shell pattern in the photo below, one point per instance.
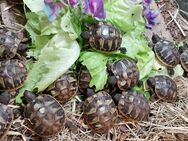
(184, 60)
(126, 73)
(13, 74)
(104, 37)
(167, 53)
(165, 88)
(133, 106)
(100, 112)
(64, 88)
(45, 116)
(8, 44)
(84, 79)
(6, 117)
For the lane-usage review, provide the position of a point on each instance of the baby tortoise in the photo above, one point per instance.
(103, 37)
(99, 112)
(8, 44)
(64, 88)
(184, 58)
(163, 87)
(133, 106)
(44, 115)
(166, 52)
(6, 118)
(13, 74)
(84, 79)
(125, 74)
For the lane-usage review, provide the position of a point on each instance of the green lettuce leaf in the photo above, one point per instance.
(55, 59)
(159, 69)
(96, 64)
(137, 48)
(70, 24)
(127, 16)
(38, 24)
(34, 5)
(124, 14)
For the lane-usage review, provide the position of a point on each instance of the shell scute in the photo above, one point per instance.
(45, 116)
(126, 73)
(100, 112)
(134, 106)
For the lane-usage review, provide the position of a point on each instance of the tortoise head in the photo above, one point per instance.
(89, 92)
(22, 47)
(85, 35)
(155, 38)
(112, 81)
(183, 48)
(116, 97)
(151, 82)
(28, 96)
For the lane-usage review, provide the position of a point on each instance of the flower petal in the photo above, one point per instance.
(95, 8)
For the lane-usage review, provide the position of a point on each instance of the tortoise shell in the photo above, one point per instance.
(126, 73)
(64, 88)
(84, 79)
(8, 44)
(100, 112)
(133, 106)
(44, 116)
(13, 74)
(163, 87)
(6, 117)
(184, 60)
(103, 37)
(15, 1)
(167, 53)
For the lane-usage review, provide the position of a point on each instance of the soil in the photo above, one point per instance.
(170, 6)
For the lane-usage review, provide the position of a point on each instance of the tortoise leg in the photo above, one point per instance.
(123, 50)
(170, 71)
(185, 74)
(140, 83)
(5, 98)
(154, 97)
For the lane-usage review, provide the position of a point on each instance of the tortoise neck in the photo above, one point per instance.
(29, 96)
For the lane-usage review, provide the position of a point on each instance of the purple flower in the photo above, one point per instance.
(71, 2)
(151, 16)
(95, 8)
(53, 7)
(146, 3)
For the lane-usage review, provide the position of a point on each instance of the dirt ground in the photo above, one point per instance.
(176, 25)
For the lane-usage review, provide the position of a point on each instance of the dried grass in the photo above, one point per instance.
(168, 121)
